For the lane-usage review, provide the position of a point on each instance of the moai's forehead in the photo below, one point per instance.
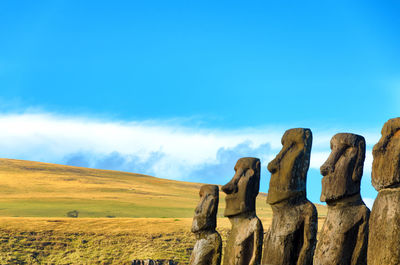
(391, 127)
(247, 162)
(208, 189)
(346, 139)
(297, 135)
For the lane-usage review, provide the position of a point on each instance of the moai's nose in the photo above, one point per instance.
(273, 166)
(326, 168)
(229, 188)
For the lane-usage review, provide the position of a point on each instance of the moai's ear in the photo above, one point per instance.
(258, 165)
(249, 173)
(308, 133)
(309, 136)
(253, 171)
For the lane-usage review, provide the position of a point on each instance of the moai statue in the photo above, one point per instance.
(244, 244)
(384, 223)
(208, 247)
(291, 238)
(344, 236)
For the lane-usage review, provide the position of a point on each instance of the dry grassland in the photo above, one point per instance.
(98, 240)
(35, 197)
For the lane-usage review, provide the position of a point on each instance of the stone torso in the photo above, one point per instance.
(384, 237)
(292, 236)
(207, 250)
(244, 243)
(344, 236)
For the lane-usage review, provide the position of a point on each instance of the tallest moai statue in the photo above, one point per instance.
(292, 236)
(384, 228)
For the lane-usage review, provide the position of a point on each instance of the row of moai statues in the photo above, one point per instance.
(350, 234)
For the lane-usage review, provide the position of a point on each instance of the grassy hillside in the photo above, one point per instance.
(35, 198)
(34, 189)
(28, 240)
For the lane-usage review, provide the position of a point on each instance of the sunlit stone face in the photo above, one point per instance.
(243, 188)
(343, 169)
(205, 215)
(290, 166)
(386, 153)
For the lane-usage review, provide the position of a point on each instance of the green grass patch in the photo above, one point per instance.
(86, 208)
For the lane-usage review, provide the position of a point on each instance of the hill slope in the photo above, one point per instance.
(32, 189)
(35, 189)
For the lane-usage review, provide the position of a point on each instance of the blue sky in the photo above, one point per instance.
(228, 78)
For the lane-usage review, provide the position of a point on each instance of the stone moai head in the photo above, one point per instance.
(290, 166)
(243, 188)
(205, 214)
(386, 153)
(343, 169)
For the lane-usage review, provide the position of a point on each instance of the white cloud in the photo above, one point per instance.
(158, 148)
(54, 138)
(368, 162)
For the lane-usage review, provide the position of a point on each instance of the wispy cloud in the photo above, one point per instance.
(162, 149)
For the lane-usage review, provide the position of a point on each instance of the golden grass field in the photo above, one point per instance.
(122, 216)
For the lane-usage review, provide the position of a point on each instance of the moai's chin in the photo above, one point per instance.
(233, 206)
(232, 212)
(277, 196)
(201, 223)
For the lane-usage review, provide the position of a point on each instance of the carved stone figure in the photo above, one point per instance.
(244, 243)
(208, 247)
(291, 238)
(384, 223)
(343, 239)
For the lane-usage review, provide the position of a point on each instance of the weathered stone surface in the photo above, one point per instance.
(291, 238)
(153, 262)
(384, 229)
(208, 247)
(386, 153)
(344, 237)
(244, 243)
(343, 169)
(384, 223)
(290, 166)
